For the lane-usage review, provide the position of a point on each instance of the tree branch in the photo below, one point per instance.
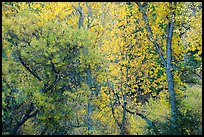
(25, 118)
(150, 36)
(169, 39)
(149, 122)
(26, 66)
(80, 11)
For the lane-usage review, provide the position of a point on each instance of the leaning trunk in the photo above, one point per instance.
(25, 118)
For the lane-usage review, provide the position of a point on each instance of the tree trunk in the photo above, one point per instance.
(88, 69)
(124, 99)
(81, 16)
(89, 99)
(122, 128)
(169, 75)
(25, 118)
(166, 63)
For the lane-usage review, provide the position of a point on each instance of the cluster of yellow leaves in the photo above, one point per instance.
(194, 35)
(129, 59)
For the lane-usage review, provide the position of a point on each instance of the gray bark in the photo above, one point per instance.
(169, 75)
(150, 36)
(89, 16)
(166, 63)
(81, 16)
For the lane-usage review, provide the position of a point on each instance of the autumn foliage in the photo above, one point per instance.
(101, 68)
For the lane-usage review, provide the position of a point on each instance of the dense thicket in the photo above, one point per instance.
(101, 68)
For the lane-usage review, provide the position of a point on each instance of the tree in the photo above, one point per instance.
(99, 68)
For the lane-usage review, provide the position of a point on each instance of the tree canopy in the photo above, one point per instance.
(101, 68)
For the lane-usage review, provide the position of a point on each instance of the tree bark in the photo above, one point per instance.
(150, 36)
(81, 16)
(148, 121)
(25, 118)
(26, 66)
(89, 99)
(122, 128)
(169, 75)
(167, 63)
(88, 69)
